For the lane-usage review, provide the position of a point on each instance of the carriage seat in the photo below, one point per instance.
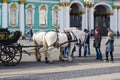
(4, 33)
(7, 38)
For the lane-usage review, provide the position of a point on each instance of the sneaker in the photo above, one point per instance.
(106, 61)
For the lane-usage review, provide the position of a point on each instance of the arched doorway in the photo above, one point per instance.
(76, 16)
(102, 19)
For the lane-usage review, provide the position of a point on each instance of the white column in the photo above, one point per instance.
(119, 20)
(62, 14)
(22, 26)
(67, 17)
(61, 17)
(114, 28)
(83, 22)
(4, 15)
(111, 22)
(86, 17)
(91, 19)
(64, 17)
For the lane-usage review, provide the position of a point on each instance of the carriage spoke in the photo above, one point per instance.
(11, 56)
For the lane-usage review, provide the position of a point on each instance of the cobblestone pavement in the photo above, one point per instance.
(84, 68)
(67, 74)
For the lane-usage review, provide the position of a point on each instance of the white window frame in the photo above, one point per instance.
(33, 12)
(55, 20)
(0, 17)
(32, 18)
(46, 13)
(16, 24)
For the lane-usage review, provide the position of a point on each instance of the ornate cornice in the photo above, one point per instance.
(116, 7)
(110, 14)
(61, 4)
(65, 4)
(22, 1)
(13, 6)
(89, 5)
(107, 14)
(4, 1)
(77, 13)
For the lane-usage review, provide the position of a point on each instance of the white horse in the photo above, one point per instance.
(38, 41)
(61, 40)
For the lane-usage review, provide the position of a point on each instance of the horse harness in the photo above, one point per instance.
(69, 36)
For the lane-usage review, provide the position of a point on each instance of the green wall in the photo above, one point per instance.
(36, 15)
(0, 15)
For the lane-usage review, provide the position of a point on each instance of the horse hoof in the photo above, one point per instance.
(70, 60)
(60, 58)
(38, 60)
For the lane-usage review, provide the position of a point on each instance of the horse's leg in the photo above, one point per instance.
(47, 55)
(70, 52)
(37, 54)
(61, 54)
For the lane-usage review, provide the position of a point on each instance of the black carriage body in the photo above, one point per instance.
(4, 36)
(10, 50)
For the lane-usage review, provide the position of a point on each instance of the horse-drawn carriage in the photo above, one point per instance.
(10, 51)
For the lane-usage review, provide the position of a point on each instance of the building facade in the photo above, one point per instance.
(50, 14)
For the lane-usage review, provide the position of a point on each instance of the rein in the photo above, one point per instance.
(58, 46)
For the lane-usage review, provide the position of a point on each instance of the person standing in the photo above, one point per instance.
(109, 46)
(30, 34)
(80, 47)
(86, 43)
(97, 44)
(117, 34)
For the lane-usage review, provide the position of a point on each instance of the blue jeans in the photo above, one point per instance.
(72, 54)
(80, 47)
(31, 35)
(98, 54)
(86, 49)
(65, 52)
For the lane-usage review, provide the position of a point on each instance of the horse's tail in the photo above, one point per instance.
(37, 54)
(45, 47)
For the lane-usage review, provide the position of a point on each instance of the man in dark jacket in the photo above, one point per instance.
(30, 34)
(86, 43)
(97, 44)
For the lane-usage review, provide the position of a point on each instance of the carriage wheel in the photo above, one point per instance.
(12, 56)
(3, 56)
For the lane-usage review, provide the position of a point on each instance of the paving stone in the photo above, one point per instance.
(67, 74)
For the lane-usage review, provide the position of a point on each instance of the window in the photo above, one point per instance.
(13, 15)
(55, 16)
(30, 15)
(0, 16)
(29, 18)
(43, 15)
